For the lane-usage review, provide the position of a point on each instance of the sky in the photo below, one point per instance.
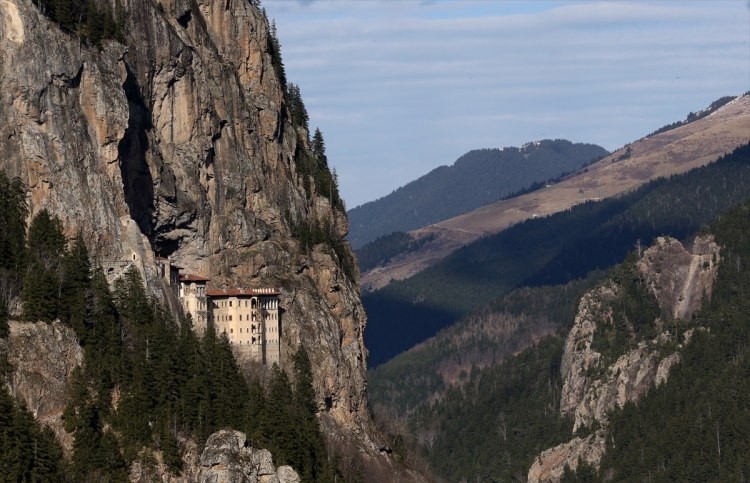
(400, 87)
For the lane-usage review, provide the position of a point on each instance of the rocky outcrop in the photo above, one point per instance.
(227, 458)
(679, 278)
(550, 464)
(593, 387)
(178, 142)
(42, 357)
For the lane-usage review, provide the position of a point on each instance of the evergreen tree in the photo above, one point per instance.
(319, 149)
(282, 429)
(257, 417)
(27, 451)
(13, 211)
(274, 49)
(41, 284)
(104, 335)
(296, 106)
(76, 288)
(310, 458)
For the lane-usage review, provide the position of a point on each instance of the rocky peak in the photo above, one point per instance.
(177, 142)
(594, 384)
(678, 278)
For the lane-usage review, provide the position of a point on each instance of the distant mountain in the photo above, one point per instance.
(477, 178)
(700, 140)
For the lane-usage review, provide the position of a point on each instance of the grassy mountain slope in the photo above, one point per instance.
(478, 177)
(687, 146)
(550, 250)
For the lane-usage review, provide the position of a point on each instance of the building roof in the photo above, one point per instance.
(189, 277)
(242, 292)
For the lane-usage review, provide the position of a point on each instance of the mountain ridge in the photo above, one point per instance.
(476, 178)
(669, 152)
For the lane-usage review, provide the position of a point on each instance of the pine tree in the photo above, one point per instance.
(257, 417)
(76, 288)
(13, 212)
(274, 49)
(310, 459)
(104, 349)
(28, 452)
(41, 285)
(319, 149)
(297, 106)
(282, 429)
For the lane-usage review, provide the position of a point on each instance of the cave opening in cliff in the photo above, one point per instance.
(137, 183)
(165, 247)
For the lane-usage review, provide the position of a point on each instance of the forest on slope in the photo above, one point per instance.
(147, 384)
(477, 178)
(491, 424)
(548, 251)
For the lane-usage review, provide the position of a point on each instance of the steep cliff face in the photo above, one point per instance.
(178, 143)
(593, 386)
(42, 358)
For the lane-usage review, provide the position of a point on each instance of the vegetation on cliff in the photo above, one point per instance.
(28, 451)
(92, 20)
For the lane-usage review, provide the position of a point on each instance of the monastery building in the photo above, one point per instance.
(248, 316)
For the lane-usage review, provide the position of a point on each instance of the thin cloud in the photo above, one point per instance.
(415, 84)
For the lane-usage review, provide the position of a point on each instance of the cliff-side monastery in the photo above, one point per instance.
(249, 317)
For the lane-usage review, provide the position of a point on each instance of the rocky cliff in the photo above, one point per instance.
(42, 358)
(594, 384)
(177, 141)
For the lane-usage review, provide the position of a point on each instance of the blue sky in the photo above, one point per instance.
(399, 87)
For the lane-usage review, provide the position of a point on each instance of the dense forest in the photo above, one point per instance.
(491, 424)
(477, 178)
(148, 382)
(482, 339)
(552, 250)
